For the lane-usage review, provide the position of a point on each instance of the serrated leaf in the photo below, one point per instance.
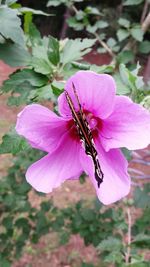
(57, 88)
(144, 47)
(111, 42)
(73, 23)
(141, 238)
(122, 89)
(12, 143)
(124, 22)
(137, 33)
(141, 198)
(125, 56)
(122, 34)
(101, 24)
(25, 75)
(53, 50)
(19, 95)
(41, 66)
(10, 25)
(132, 2)
(14, 55)
(42, 93)
(110, 244)
(76, 49)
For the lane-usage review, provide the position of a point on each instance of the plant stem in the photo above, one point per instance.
(145, 9)
(104, 45)
(146, 23)
(127, 257)
(65, 25)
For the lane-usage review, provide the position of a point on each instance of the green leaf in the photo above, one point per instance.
(98, 25)
(141, 238)
(84, 264)
(55, 2)
(127, 153)
(92, 10)
(57, 87)
(125, 56)
(122, 89)
(110, 244)
(132, 2)
(76, 49)
(53, 50)
(142, 197)
(10, 25)
(10, 2)
(33, 33)
(101, 24)
(122, 34)
(111, 42)
(20, 94)
(14, 55)
(124, 22)
(131, 78)
(4, 262)
(73, 23)
(33, 11)
(25, 75)
(41, 66)
(42, 93)
(137, 33)
(12, 143)
(144, 47)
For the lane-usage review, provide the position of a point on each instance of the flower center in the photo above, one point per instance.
(94, 123)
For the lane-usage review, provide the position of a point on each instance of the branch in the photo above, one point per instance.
(127, 257)
(103, 44)
(144, 12)
(146, 23)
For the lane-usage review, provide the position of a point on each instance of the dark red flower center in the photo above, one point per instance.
(95, 125)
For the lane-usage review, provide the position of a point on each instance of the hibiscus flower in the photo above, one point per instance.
(114, 122)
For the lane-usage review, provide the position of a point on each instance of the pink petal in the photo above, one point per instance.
(127, 126)
(53, 169)
(116, 182)
(41, 127)
(96, 93)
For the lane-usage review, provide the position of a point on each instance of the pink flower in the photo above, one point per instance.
(115, 121)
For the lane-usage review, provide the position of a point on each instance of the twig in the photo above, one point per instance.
(74, 9)
(145, 9)
(65, 25)
(127, 256)
(104, 45)
(146, 23)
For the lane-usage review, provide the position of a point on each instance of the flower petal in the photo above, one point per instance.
(41, 127)
(128, 126)
(53, 169)
(116, 182)
(96, 93)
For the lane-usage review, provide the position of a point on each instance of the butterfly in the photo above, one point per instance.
(85, 134)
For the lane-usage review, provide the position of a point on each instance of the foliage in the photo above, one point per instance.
(48, 63)
(115, 33)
